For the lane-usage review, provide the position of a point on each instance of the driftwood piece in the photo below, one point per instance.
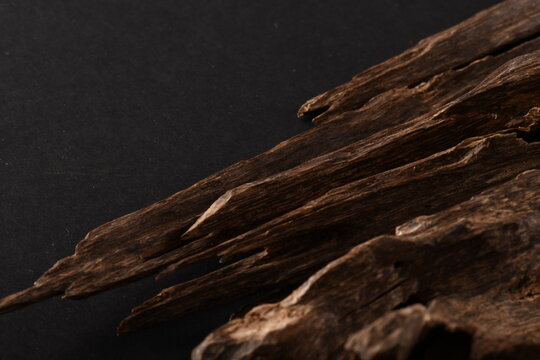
(142, 242)
(474, 267)
(488, 32)
(416, 135)
(503, 96)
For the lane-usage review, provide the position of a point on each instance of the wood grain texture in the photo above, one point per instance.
(437, 135)
(487, 32)
(521, 68)
(327, 227)
(506, 93)
(484, 253)
(142, 242)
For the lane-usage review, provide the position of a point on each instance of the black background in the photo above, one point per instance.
(109, 105)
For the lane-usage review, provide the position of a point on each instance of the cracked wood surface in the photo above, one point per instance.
(503, 96)
(472, 271)
(140, 243)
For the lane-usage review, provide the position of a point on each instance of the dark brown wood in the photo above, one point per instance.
(505, 94)
(327, 227)
(464, 279)
(416, 135)
(488, 32)
(142, 242)
(504, 328)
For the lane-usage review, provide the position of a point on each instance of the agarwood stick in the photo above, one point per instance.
(327, 227)
(378, 105)
(486, 33)
(484, 252)
(506, 93)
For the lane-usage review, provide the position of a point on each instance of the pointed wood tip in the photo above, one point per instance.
(145, 315)
(124, 327)
(315, 109)
(26, 297)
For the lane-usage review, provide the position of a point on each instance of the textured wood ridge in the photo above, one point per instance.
(469, 273)
(440, 142)
(485, 33)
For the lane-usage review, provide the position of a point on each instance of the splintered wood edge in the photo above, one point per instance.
(470, 271)
(502, 26)
(137, 245)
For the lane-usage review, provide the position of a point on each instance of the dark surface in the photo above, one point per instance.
(108, 106)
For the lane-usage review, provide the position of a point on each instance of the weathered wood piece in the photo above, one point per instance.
(514, 86)
(455, 115)
(505, 94)
(485, 33)
(142, 242)
(460, 284)
(325, 228)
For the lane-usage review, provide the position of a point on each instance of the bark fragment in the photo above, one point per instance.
(147, 240)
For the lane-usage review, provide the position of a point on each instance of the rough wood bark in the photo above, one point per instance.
(139, 243)
(474, 267)
(504, 328)
(503, 96)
